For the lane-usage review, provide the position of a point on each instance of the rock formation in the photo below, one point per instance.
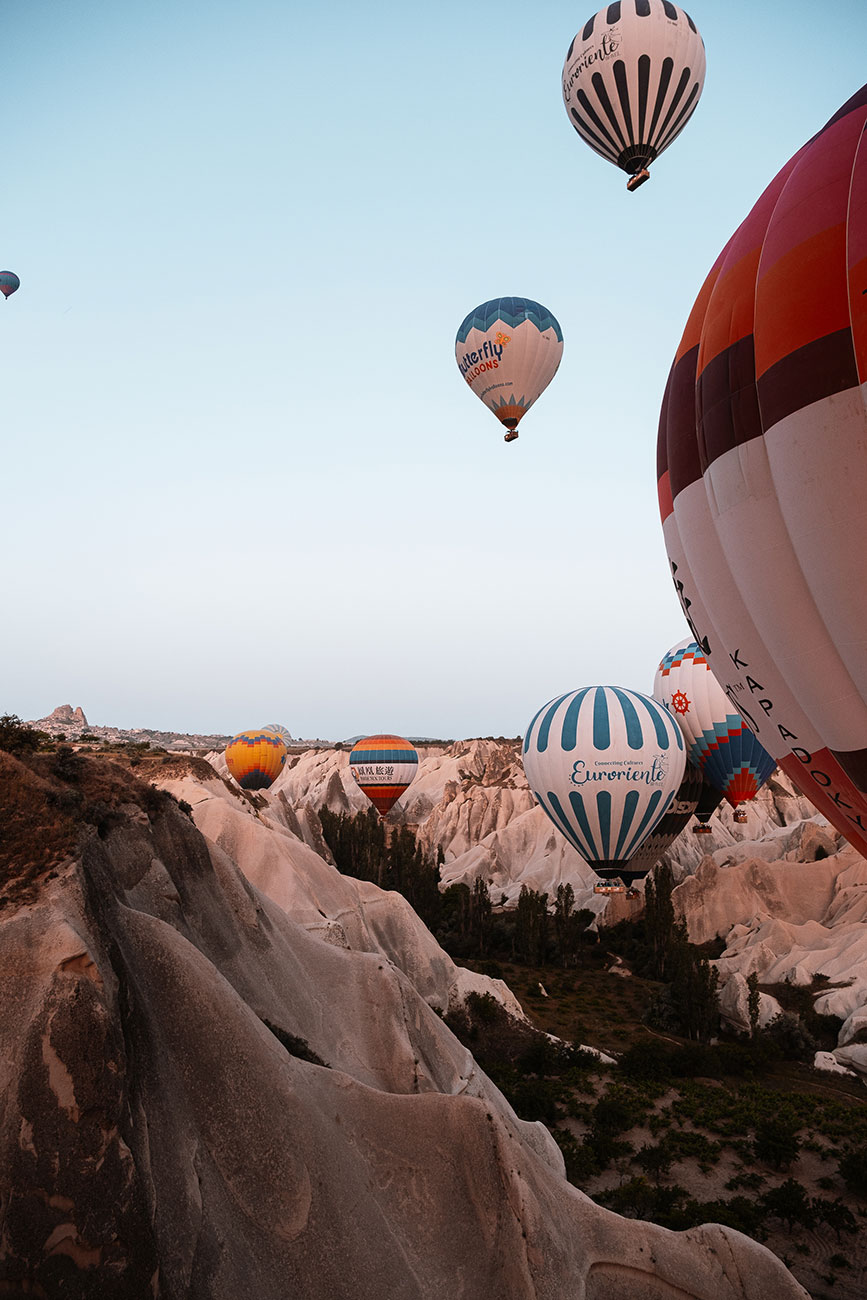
(790, 921)
(65, 715)
(217, 1082)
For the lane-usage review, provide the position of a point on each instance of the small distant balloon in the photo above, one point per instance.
(277, 729)
(9, 282)
(255, 758)
(383, 768)
(631, 82)
(508, 351)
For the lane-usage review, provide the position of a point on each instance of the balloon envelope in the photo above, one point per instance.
(383, 767)
(667, 829)
(255, 758)
(719, 742)
(508, 351)
(9, 282)
(632, 79)
(605, 764)
(708, 802)
(277, 729)
(762, 469)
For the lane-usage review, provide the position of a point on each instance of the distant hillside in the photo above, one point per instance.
(66, 723)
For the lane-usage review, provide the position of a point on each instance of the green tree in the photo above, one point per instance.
(480, 916)
(776, 1140)
(838, 1216)
(659, 919)
(753, 1002)
(853, 1170)
(655, 1161)
(694, 984)
(531, 926)
(16, 737)
(790, 1203)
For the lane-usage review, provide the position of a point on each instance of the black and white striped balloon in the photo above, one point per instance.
(632, 79)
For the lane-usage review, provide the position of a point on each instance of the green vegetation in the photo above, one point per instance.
(295, 1046)
(17, 738)
(359, 847)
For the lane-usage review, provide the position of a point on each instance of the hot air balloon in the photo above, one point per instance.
(508, 351)
(255, 758)
(719, 742)
(708, 802)
(763, 475)
(605, 764)
(277, 729)
(9, 282)
(631, 81)
(383, 767)
(669, 826)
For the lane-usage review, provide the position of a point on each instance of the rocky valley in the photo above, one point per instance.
(226, 1069)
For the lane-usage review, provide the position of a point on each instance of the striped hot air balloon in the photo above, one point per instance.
(277, 729)
(383, 767)
(631, 81)
(508, 351)
(255, 758)
(719, 742)
(762, 469)
(605, 764)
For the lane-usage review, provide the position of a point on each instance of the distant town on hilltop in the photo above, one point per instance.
(71, 724)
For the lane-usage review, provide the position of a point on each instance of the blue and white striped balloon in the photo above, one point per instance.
(605, 764)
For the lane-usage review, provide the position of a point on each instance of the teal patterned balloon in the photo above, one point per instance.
(605, 764)
(508, 351)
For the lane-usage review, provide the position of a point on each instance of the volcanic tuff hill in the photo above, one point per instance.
(223, 1076)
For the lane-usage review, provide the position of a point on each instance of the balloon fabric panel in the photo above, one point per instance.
(857, 258)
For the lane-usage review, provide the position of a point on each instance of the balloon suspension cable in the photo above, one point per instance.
(638, 179)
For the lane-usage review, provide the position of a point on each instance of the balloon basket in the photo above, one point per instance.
(638, 179)
(701, 830)
(740, 818)
(510, 436)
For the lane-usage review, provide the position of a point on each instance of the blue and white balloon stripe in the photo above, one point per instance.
(605, 764)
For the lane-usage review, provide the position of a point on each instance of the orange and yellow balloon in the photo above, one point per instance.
(255, 758)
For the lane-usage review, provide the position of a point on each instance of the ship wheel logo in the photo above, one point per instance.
(679, 702)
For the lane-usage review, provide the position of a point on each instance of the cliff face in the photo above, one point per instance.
(158, 1138)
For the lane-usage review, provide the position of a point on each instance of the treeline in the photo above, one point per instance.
(361, 848)
(462, 917)
(539, 930)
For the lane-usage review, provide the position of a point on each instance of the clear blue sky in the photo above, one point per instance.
(244, 479)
